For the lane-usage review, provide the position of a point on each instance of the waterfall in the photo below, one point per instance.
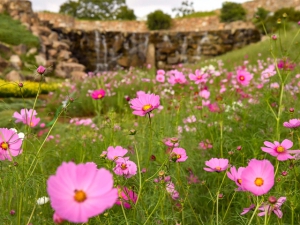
(184, 46)
(105, 65)
(97, 50)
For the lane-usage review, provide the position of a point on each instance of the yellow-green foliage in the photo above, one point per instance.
(29, 89)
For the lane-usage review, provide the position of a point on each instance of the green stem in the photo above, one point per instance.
(229, 205)
(124, 214)
(157, 204)
(256, 208)
(140, 175)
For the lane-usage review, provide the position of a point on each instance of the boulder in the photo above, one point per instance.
(53, 36)
(14, 76)
(40, 60)
(78, 75)
(123, 61)
(59, 45)
(3, 64)
(64, 69)
(16, 61)
(150, 57)
(20, 49)
(31, 51)
(64, 55)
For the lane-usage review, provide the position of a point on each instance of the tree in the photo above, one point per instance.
(124, 13)
(158, 20)
(92, 9)
(232, 11)
(186, 8)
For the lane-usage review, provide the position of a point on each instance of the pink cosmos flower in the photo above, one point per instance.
(246, 210)
(293, 123)
(160, 72)
(78, 192)
(244, 77)
(125, 167)
(10, 143)
(204, 94)
(235, 175)
(160, 78)
(98, 94)
(198, 77)
(177, 78)
(216, 165)
(286, 64)
(274, 205)
(171, 142)
(280, 150)
(127, 196)
(258, 177)
(178, 155)
(144, 104)
(114, 153)
(26, 117)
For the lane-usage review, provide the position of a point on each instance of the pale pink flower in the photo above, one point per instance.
(98, 94)
(177, 78)
(79, 192)
(269, 72)
(258, 177)
(178, 155)
(115, 153)
(280, 150)
(10, 143)
(171, 142)
(216, 165)
(244, 77)
(170, 187)
(27, 117)
(205, 144)
(293, 123)
(125, 167)
(144, 104)
(274, 205)
(160, 72)
(126, 196)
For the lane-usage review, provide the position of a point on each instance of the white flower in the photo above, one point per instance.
(21, 135)
(42, 200)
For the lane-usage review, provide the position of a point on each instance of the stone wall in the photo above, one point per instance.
(111, 50)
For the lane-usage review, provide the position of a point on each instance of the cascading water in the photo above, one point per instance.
(97, 50)
(105, 65)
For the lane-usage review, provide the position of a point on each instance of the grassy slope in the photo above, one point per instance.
(14, 33)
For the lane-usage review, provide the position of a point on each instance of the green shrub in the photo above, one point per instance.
(124, 13)
(232, 11)
(158, 20)
(14, 33)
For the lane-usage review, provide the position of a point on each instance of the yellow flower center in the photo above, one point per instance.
(218, 168)
(31, 124)
(4, 145)
(147, 107)
(178, 156)
(123, 166)
(259, 181)
(242, 78)
(199, 77)
(280, 149)
(99, 96)
(239, 181)
(79, 196)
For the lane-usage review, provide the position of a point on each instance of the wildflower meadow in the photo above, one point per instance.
(213, 143)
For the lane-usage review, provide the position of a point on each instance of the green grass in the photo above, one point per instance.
(13, 32)
(198, 15)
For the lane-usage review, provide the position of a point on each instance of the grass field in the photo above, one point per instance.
(232, 108)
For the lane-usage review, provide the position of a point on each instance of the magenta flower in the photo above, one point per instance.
(144, 104)
(258, 177)
(198, 77)
(27, 117)
(280, 150)
(274, 205)
(286, 64)
(41, 70)
(178, 155)
(216, 165)
(78, 192)
(114, 153)
(98, 94)
(244, 77)
(171, 142)
(205, 144)
(235, 175)
(10, 143)
(125, 167)
(293, 123)
(128, 197)
(246, 210)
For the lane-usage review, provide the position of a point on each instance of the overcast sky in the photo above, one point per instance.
(141, 7)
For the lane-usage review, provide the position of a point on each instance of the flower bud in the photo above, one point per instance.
(272, 199)
(292, 110)
(20, 85)
(12, 212)
(41, 70)
(284, 173)
(274, 37)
